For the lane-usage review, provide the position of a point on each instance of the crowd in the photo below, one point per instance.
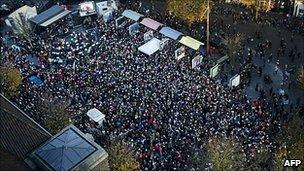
(159, 105)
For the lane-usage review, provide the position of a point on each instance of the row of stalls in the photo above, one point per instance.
(153, 44)
(57, 12)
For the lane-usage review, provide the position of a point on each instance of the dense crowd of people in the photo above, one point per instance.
(159, 105)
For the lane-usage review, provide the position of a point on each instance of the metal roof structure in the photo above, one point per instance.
(66, 150)
(46, 15)
(50, 15)
(55, 18)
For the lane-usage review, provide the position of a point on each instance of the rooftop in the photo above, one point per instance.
(68, 150)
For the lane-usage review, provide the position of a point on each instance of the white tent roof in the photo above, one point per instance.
(95, 115)
(152, 24)
(27, 11)
(150, 47)
(132, 15)
(190, 42)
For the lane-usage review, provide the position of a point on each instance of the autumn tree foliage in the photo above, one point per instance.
(232, 45)
(121, 157)
(55, 113)
(188, 10)
(10, 79)
(226, 154)
(258, 5)
(291, 143)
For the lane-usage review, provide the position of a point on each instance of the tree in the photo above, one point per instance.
(10, 79)
(200, 158)
(301, 77)
(292, 143)
(121, 157)
(191, 11)
(22, 27)
(56, 117)
(226, 154)
(232, 45)
(258, 5)
(260, 160)
(279, 157)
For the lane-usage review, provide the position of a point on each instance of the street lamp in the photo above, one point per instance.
(207, 29)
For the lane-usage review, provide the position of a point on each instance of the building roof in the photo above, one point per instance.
(49, 16)
(67, 150)
(11, 162)
(19, 134)
(55, 18)
(46, 15)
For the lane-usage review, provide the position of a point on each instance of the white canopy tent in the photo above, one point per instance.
(150, 47)
(96, 115)
(26, 11)
(190, 42)
(104, 6)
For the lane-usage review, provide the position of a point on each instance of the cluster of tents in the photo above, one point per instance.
(164, 30)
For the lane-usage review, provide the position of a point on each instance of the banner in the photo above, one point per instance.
(164, 42)
(87, 8)
(235, 81)
(120, 22)
(196, 61)
(214, 71)
(222, 59)
(108, 16)
(180, 53)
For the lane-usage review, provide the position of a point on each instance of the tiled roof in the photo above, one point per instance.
(19, 134)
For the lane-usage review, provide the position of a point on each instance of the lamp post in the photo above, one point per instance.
(207, 29)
